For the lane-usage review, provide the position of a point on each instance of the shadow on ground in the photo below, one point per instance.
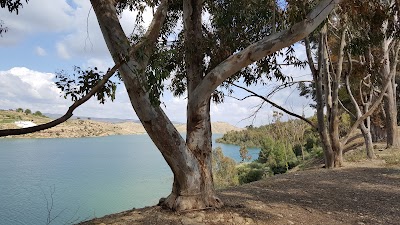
(340, 196)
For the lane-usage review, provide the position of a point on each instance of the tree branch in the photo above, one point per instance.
(276, 106)
(150, 37)
(262, 48)
(376, 103)
(309, 57)
(68, 114)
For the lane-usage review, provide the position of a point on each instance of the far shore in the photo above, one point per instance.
(90, 128)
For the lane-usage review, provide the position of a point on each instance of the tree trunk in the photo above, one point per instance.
(392, 139)
(193, 185)
(389, 67)
(368, 141)
(322, 128)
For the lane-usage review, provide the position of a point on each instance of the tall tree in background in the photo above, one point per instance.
(333, 46)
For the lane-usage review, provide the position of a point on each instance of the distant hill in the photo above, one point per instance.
(100, 119)
(85, 127)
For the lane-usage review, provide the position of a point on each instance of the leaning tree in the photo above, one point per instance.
(136, 60)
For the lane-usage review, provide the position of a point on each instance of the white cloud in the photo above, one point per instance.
(40, 51)
(86, 39)
(25, 88)
(21, 87)
(62, 51)
(37, 16)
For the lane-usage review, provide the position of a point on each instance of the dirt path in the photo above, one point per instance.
(351, 195)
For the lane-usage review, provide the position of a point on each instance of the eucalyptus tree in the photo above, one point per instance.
(190, 159)
(199, 68)
(374, 49)
(349, 41)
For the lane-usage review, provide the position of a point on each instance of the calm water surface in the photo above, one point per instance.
(83, 177)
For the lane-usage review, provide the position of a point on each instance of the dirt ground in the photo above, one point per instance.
(366, 192)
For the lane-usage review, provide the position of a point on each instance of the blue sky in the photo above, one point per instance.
(52, 35)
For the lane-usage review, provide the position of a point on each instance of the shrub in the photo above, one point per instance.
(253, 171)
(28, 111)
(277, 156)
(38, 113)
(19, 110)
(224, 170)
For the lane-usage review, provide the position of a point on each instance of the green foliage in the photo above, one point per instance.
(2, 28)
(281, 142)
(224, 170)
(12, 5)
(28, 111)
(249, 172)
(38, 113)
(277, 156)
(244, 153)
(82, 82)
(230, 20)
(20, 110)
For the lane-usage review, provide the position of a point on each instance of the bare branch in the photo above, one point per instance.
(286, 85)
(276, 106)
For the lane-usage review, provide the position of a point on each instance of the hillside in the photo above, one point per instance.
(87, 128)
(366, 192)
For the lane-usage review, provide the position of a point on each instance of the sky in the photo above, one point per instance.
(53, 35)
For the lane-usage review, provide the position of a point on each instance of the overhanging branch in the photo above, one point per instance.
(276, 105)
(68, 114)
(146, 44)
(261, 49)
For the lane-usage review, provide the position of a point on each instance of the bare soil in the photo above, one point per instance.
(366, 192)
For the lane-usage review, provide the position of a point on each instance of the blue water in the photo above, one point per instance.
(82, 178)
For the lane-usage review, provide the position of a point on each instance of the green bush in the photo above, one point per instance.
(224, 170)
(38, 113)
(249, 172)
(20, 110)
(277, 156)
(28, 111)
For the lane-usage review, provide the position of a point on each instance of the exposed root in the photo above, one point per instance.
(182, 203)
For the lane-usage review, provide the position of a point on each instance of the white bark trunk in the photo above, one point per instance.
(191, 178)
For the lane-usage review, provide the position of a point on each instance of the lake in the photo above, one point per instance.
(81, 178)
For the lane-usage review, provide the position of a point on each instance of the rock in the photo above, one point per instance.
(249, 221)
(239, 220)
(290, 222)
(161, 201)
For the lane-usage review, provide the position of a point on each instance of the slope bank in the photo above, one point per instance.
(362, 193)
(88, 128)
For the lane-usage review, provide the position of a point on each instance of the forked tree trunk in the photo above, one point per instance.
(190, 163)
(190, 160)
(198, 133)
(368, 141)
